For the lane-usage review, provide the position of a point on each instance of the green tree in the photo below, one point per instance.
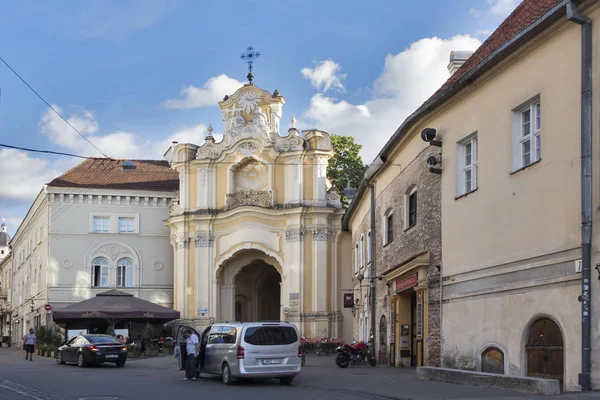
(345, 169)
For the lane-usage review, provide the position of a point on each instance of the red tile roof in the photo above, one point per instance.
(523, 16)
(103, 173)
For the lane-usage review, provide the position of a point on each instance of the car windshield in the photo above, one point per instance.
(270, 335)
(100, 339)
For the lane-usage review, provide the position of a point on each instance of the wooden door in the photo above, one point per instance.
(545, 351)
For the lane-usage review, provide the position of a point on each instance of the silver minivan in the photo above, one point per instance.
(236, 350)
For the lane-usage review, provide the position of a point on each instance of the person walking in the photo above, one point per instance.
(192, 350)
(29, 344)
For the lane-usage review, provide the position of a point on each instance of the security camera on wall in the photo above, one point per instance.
(428, 135)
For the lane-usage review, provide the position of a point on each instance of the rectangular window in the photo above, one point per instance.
(356, 259)
(467, 168)
(126, 225)
(526, 134)
(412, 209)
(369, 247)
(101, 224)
(389, 228)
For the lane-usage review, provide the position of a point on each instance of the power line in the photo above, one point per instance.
(42, 151)
(52, 108)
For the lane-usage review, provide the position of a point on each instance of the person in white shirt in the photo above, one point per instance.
(192, 350)
(29, 344)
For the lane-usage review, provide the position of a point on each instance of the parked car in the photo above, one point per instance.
(238, 350)
(92, 349)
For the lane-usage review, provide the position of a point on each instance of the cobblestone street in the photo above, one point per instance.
(159, 378)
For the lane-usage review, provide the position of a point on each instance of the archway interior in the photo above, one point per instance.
(257, 293)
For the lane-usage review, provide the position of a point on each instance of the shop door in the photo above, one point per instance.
(545, 351)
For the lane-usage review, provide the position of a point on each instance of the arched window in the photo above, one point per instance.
(492, 360)
(125, 273)
(383, 331)
(100, 272)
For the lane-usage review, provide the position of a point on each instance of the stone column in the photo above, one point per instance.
(205, 285)
(320, 281)
(180, 266)
(294, 271)
(206, 188)
(320, 182)
(227, 302)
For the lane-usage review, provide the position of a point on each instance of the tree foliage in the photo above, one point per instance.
(345, 169)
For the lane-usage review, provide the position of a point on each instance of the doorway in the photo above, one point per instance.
(545, 351)
(257, 293)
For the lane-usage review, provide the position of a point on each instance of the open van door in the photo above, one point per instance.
(203, 341)
(179, 349)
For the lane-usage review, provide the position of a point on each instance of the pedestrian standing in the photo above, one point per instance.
(192, 350)
(30, 344)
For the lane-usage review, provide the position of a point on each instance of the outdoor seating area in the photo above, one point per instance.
(321, 346)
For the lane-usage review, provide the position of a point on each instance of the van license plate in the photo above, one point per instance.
(271, 361)
(112, 356)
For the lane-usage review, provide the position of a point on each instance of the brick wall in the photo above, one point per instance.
(424, 236)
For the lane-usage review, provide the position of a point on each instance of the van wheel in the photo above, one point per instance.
(226, 375)
(286, 380)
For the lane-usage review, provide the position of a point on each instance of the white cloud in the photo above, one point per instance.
(209, 94)
(407, 80)
(326, 75)
(503, 7)
(118, 144)
(23, 175)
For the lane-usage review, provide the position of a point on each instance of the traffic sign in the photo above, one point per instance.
(47, 307)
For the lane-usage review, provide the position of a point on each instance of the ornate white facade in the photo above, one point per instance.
(256, 228)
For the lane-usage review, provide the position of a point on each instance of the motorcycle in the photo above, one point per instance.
(354, 354)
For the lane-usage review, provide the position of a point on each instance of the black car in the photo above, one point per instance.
(92, 349)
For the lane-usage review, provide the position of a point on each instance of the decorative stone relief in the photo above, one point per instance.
(158, 265)
(295, 235)
(333, 198)
(210, 150)
(67, 264)
(320, 235)
(249, 198)
(332, 236)
(204, 241)
(285, 144)
(202, 176)
(174, 209)
(247, 149)
(182, 242)
(251, 176)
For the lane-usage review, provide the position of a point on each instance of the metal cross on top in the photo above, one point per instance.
(249, 56)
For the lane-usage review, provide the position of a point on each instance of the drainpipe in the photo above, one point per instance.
(369, 173)
(586, 191)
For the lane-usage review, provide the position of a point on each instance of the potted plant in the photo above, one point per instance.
(133, 351)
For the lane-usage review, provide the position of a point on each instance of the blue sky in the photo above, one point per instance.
(134, 75)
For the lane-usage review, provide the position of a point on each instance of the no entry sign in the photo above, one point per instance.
(47, 307)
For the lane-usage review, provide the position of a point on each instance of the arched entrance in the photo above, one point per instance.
(545, 350)
(257, 293)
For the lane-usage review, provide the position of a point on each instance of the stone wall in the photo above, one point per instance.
(425, 236)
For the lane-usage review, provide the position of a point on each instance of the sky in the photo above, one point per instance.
(134, 75)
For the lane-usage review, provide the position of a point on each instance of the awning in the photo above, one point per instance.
(115, 305)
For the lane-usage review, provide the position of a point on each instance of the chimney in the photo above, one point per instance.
(457, 58)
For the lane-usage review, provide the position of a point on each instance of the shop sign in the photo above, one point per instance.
(348, 300)
(406, 283)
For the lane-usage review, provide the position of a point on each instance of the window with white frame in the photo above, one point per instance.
(410, 208)
(369, 247)
(526, 134)
(126, 224)
(467, 169)
(356, 259)
(125, 273)
(387, 231)
(101, 224)
(100, 272)
(362, 251)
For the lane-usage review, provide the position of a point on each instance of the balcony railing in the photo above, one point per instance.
(262, 198)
